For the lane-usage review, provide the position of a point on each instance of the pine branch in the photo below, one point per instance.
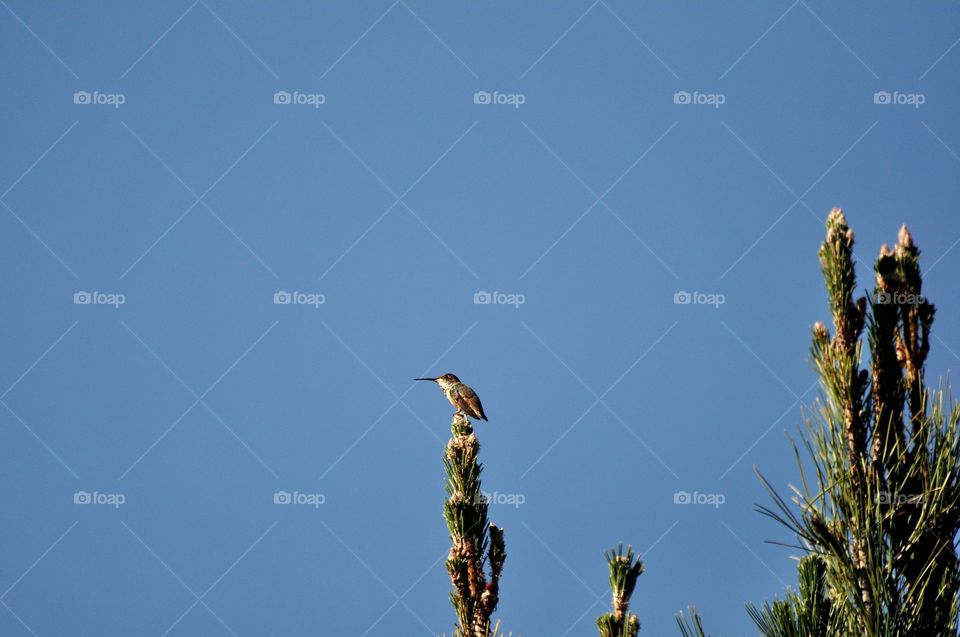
(475, 542)
(879, 513)
(691, 626)
(625, 568)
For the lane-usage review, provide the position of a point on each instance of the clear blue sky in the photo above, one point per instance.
(145, 156)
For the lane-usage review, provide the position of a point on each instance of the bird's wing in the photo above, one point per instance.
(472, 402)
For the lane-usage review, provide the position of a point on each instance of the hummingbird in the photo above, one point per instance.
(460, 396)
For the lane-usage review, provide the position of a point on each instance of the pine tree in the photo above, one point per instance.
(476, 543)
(625, 568)
(879, 512)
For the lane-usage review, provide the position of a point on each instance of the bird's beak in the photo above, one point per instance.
(433, 379)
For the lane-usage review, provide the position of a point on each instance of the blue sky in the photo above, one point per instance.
(177, 165)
